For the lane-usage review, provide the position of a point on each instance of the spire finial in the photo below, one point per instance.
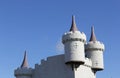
(93, 37)
(25, 62)
(73, 25)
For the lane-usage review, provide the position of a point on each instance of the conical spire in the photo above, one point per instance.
(25, 62)
(93, 37)
(73, 25)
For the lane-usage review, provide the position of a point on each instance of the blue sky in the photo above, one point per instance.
(37, 27)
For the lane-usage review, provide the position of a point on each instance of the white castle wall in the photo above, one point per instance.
(85, 71)
(55, 67)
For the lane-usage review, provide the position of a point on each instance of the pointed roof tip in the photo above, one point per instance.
(73, 25)
(25, 62)
(93, 37)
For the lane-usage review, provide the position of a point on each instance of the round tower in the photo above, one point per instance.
(74, 41)
(94, 51)
(24, 71)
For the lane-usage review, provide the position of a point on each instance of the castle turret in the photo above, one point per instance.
(24, 71)
(94, 51)
(74, 41)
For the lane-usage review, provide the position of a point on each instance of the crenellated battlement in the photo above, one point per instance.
(74, 36)
(23, 72)
(97, 45)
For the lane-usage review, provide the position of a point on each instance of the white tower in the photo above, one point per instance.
(74, 41)
(94, 51)
(24, 71)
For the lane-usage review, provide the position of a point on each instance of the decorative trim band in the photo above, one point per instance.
(92, 49)
(74, 39)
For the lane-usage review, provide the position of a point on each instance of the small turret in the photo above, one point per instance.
(74, 41)
(24, 71)
(94, 51)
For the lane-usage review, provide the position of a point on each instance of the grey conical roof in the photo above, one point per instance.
(25, 62)
(93, 37)
(73, 25)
